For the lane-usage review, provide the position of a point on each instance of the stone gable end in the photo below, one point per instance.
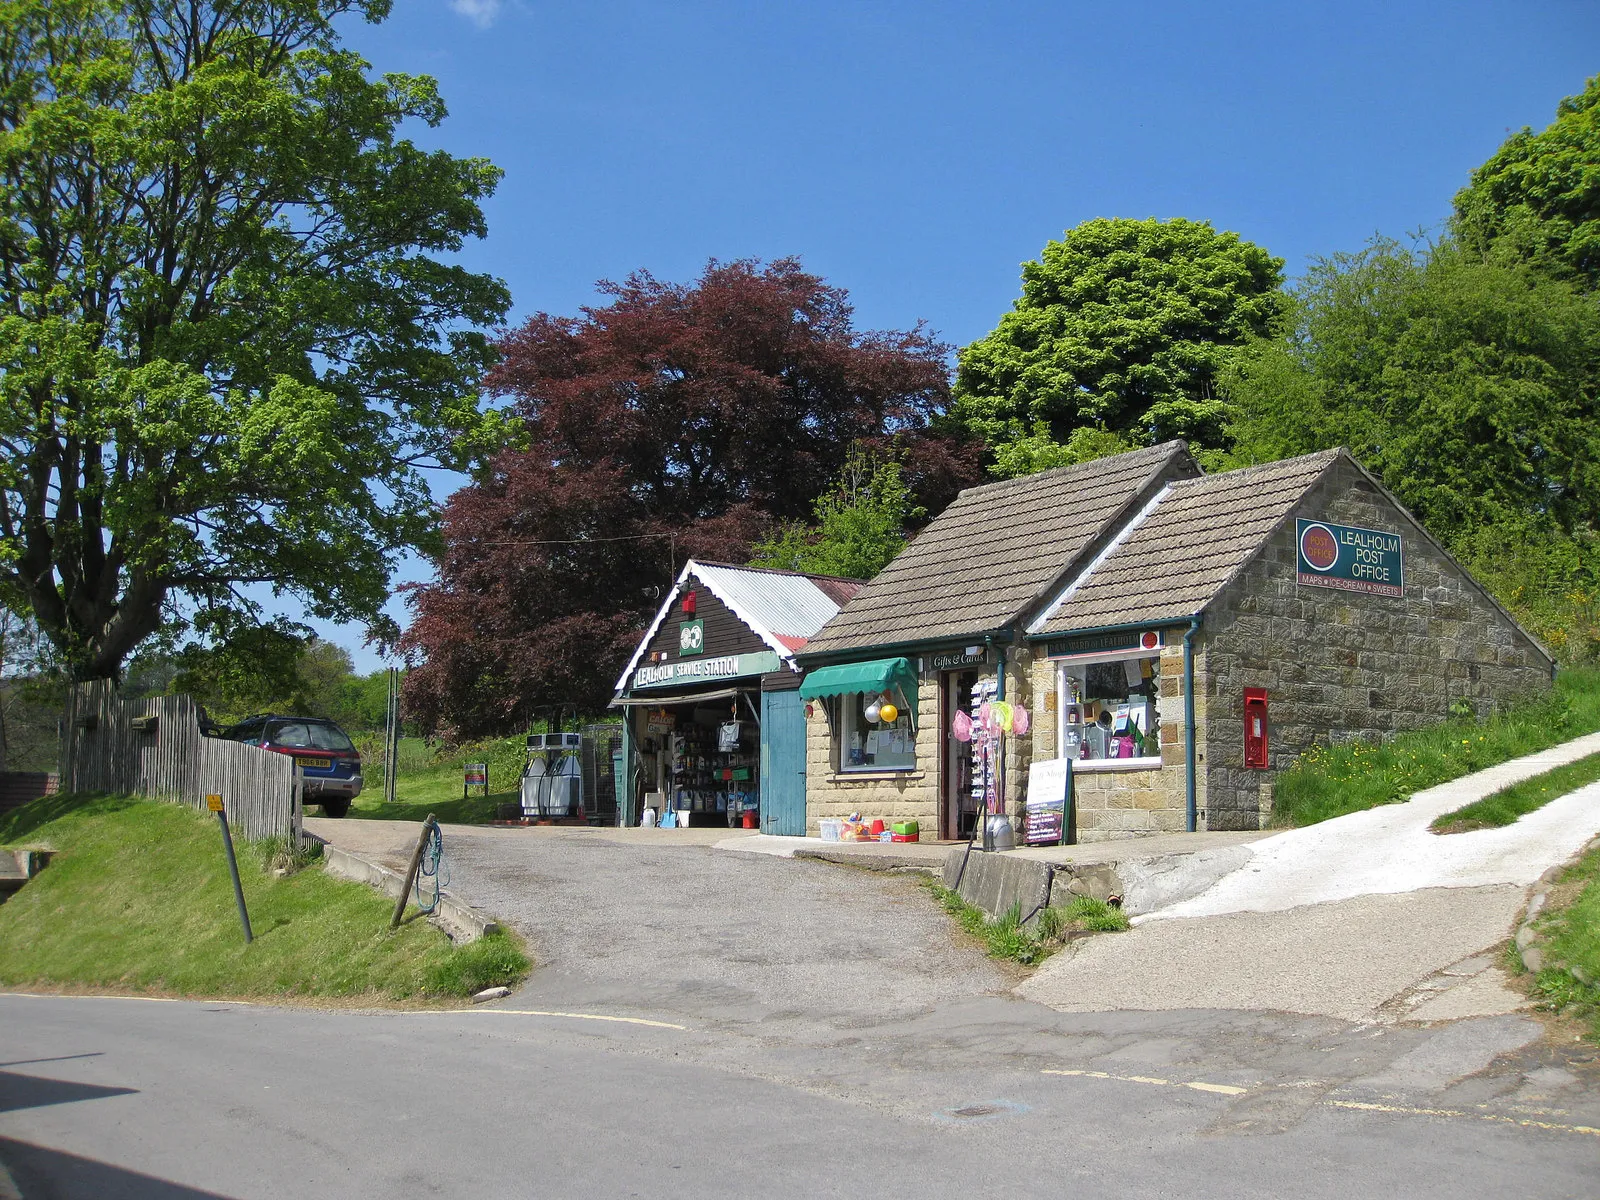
(1343, 665)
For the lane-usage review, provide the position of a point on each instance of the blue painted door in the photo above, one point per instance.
(783, 764)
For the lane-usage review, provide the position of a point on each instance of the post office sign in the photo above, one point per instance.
(1349, 558)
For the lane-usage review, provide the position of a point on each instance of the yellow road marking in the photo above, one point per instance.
(1353, 1105)
(1223, 1089)
(530, 1012)
(1407, 1110)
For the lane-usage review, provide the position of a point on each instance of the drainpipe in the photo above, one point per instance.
(1190, 809)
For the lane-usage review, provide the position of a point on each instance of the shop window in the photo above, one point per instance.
(1110, 712)
(868, 745)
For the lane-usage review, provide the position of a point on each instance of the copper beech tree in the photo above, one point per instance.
(674, 421)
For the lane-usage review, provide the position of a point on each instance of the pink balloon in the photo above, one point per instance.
(1019, 721)
(961, 727)
(988, 718)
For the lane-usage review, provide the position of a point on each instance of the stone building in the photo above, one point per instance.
(1179, 636)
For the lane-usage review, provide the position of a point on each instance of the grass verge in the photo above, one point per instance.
(430, 781)
(1008, 938)
(137, 898)
(1569, 982)
(1330, 781)
(1505, 806)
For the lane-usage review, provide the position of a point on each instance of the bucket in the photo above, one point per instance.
(748, 818)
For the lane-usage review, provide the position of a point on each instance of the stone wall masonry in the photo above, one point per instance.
(1121, 804)
(885, 795)
(1341, 665)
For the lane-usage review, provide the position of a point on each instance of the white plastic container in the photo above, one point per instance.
(830, 828)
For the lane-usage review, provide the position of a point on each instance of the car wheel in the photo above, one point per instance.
(335, 808)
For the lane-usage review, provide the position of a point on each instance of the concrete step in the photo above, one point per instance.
(19, 866)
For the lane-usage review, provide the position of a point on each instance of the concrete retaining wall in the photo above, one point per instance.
(995, 882)
(460, 920)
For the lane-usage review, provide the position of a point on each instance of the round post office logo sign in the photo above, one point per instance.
(1319, 548)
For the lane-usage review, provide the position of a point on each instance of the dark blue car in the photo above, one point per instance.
(330, 765)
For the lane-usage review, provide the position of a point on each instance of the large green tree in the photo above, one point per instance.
(1119, 337)
(1538, 199)
(861, 523)
(1472, 388)
(229, 332)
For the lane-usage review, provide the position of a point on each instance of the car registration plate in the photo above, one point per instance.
(310, 762)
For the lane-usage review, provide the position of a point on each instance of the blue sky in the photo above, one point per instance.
(916, 154)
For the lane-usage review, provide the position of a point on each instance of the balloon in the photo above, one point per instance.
(888, 713)
(961, 727)
(872, 711)
(1020, 721)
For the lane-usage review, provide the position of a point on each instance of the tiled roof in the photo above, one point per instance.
(989, 556)
(1185, 548)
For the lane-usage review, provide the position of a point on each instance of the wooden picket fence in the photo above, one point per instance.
(155, 748)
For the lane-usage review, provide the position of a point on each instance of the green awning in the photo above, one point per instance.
(879, 675)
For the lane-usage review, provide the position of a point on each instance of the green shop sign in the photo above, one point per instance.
(691, 637)
(724, 666)
(1349, 558)
(1113, 641)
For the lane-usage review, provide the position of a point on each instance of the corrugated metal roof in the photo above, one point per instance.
(786, 605)
(782, 608)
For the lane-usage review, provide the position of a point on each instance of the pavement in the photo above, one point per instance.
(1368, 917)
(924, 856)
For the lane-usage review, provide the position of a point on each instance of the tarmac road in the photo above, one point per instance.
(135, 1099)
(713, 1024)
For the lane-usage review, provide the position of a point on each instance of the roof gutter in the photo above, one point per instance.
(821, 658)
(1151, 624)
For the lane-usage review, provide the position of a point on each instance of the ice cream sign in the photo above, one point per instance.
(1349, 558)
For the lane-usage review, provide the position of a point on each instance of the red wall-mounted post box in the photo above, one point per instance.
(1255, 728)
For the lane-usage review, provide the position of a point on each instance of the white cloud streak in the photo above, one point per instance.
(481, 13)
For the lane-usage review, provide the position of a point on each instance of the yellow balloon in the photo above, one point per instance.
(888, 713)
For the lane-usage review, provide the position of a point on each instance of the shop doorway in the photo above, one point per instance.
(958, 802)
(783, 764)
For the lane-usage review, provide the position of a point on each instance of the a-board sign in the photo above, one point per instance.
(213, 802)
(1349, 558)
(1046, 806)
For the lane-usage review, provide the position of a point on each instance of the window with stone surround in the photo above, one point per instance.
(1108, 711)
(864, 745)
